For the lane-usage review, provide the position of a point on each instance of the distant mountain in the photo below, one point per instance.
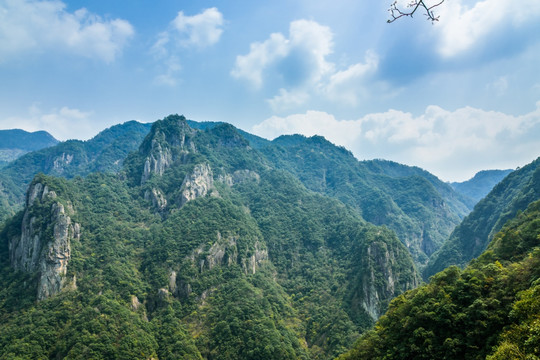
(420, 208)
(489, 310)
(105, 152)
(481, 184)
(199, 247)
(513, 194)
(188, 240)
(15, 143)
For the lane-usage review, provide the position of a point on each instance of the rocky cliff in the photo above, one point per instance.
(44, 243)
(168, 142)
(197, 184)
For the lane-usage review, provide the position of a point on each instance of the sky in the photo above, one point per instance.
(454, 97)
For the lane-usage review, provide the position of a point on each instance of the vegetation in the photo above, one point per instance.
(489, 310)
(207, 243)
(420, 208)
(257, 266)
(481, 184)
(472, 236)
(105, 152)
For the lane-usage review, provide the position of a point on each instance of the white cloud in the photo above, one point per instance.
(288, 99)
(64, 123)
(200, 30)
(197, 31)
(343, 85)
(261, 55)
(462, 27)
(304, 51)
(27, 25)
(300, 62)
(451, 144)
(499, 86)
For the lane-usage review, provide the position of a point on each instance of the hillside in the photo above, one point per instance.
(472, 236)
(480, 184)
(15, 143)
(198, 248)
(490, 310)
(420, 208)
(105, 152)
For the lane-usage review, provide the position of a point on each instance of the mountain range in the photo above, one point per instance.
(15, 143)
(182, 239)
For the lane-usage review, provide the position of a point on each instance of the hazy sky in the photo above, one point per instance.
(453, 97)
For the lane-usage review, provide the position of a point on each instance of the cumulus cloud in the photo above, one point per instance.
(197, 31)
(200, 30)
(464, 27)
(59, 122)
(299, 58)
(451, 144)
(27, 25)
(300, 64)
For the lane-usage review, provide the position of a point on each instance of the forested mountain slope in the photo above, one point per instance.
(198, 248)
(490, 310)
(15, 143)
(480, 184)
(420, 208)
(472, 236)
(105, 152)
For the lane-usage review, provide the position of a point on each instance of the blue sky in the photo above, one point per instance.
(453, 97)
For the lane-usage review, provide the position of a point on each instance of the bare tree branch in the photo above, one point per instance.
(397, 13)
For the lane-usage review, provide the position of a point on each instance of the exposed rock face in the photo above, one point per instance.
(239, 176)
(259, 255)
(61, 162)
(44, 245)
(382, 264)
(157, 162)
(159, 201)
(199, 183)
(223, 252)
(166, 146)
(383, 278)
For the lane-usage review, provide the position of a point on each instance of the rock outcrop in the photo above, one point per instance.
(44, 244)
(157, 161)
(198, 183)
(158, 199)
(170, 140)
(379, 283)
(61, 162)
(239, 176)
(223, 252)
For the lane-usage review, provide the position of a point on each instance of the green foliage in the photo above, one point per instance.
(23, 140)
(472, 236)
(259, 267)
(481, 184)
(488, 310)
(420, 208)
(105, 152)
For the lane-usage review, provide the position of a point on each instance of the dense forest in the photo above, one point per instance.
(198, 247)
(187, 240)
(489, 310)
(15, 143)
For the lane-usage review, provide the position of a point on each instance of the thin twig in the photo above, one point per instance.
(397, 13)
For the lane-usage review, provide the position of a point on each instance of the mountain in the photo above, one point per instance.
(105, 152)
(471, 237)
(480, 184)
(15, 143)
(420, 208)
(489, 310)
(197, 247)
